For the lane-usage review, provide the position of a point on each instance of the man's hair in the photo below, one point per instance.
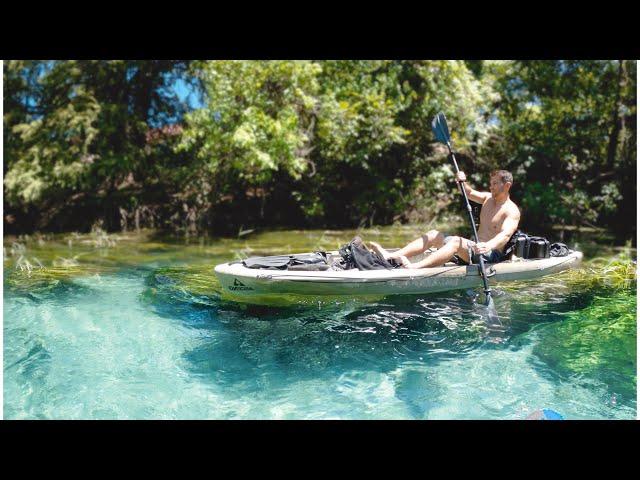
(503, 175)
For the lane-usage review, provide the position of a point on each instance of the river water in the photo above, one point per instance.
(132, 326)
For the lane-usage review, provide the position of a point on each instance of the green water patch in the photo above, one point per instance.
(597, 342)
(192, 280)
(39, 263)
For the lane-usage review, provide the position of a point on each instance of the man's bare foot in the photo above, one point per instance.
(376, 246)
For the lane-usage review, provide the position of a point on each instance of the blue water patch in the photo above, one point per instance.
(136, 344)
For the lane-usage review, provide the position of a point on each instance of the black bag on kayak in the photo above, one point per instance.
(305, 261)
(526, 246)
(537, 247)
(356, 255)
(515, 244)
(559, 250)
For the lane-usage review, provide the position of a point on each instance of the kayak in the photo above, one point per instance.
(248, 284)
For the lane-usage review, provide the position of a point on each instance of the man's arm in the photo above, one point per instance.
(474, 195)
(509, 227)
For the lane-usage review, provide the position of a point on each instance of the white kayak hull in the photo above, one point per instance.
(245, 283)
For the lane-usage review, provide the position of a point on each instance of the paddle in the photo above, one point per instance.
(441, 131)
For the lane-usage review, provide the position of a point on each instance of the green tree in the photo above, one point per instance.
(567, 129)
(77, 137)
(257, 126)
(312, 143)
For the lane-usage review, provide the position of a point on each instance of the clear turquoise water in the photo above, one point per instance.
(131, 343)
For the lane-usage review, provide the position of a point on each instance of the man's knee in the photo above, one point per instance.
(434, 238)
(459, 246)
(454, 241)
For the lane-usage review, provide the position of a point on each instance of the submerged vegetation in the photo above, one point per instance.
(616, 272)
(595, 342)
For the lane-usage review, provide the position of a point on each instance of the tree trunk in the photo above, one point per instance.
(617, 120)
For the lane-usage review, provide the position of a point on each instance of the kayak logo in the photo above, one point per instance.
(238, 285)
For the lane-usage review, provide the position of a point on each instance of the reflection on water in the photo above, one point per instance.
(148, 336)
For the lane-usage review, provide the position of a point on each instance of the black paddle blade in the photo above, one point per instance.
(440, 128)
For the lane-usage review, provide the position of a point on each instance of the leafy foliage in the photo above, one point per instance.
(568, 128)
(76, 131)
(313, 143)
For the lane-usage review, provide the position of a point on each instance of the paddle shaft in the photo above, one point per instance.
(483, 273)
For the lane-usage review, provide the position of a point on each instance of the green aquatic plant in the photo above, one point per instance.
(617, 273)
(598, 342)
(55, 261)
(33, 275)
(101, 239)
(96, 249)
(195, 280)
(18, 248)
(24, 265)
(66, 262)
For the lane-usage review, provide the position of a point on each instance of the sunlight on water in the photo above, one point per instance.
(142, 332)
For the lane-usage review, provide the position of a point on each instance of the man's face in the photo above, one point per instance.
(496, 186)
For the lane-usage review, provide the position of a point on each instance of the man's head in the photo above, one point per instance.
(500, 183)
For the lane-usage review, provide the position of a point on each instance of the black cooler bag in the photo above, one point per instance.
(525, 246)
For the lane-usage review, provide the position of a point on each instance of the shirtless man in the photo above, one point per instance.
(499, 219)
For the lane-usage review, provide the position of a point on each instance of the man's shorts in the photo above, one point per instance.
(494, 256)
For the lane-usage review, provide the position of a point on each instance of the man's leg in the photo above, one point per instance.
(454, 246)
(432, 238)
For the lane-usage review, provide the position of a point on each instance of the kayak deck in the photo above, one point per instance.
(240, 282)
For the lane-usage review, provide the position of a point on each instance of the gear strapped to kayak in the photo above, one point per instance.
(353, 255)
(527, 246)
(305, 261)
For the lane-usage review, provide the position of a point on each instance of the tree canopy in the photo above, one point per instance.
(312, 143)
